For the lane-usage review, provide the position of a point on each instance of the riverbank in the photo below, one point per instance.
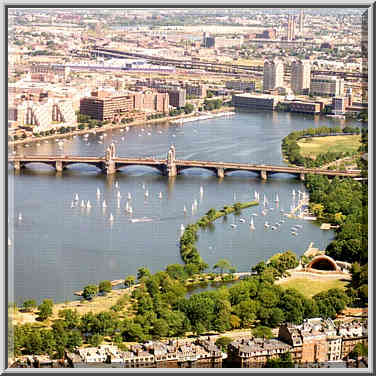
(108, 127)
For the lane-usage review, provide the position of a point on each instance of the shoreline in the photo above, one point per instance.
(108, 127)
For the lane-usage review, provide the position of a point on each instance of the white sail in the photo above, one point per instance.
(118, 204)
(146, 193)
(293, 193)
(82, 203)
(182, 228)
(277, 198)
(98, 192)
(118, 194)
(104, 205)
(88, 205)
(160, 195)
(129, 196)
(116, 184)
(72, 204)
(130, 210)
(185, 209)
(76, 197)
(111, 217)
(20, 217)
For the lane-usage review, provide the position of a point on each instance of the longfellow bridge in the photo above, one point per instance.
(171, 166)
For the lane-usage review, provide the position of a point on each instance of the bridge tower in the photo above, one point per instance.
(171, 165)
(110, 163)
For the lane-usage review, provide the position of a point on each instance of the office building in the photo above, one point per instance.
(177, 97)
(241, 85)
(301, 22)
(300, 76)
(327, 86)
(198, 90)
(255, 102)
(273, 74)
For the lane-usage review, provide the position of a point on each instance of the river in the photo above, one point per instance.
(56, 250)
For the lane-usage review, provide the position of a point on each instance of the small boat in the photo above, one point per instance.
(160, 195)
(116, 184)
(294, 233)
(88, 205)
(72, 204)
(182, 228)
(252, 226)
(299, 226)
(233, 225)
(266, 225)
(273, 228)
(146, 193)
(255, 214)
(264, 212)
(20, 217)
(111, 217)
(129, 196)
(104, 205)
(241, 220)
(82, 203)
(76, 197)
(271, 209)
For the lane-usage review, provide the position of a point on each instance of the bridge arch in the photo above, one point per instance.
(183, 168)
(323, 262)
(160, 168)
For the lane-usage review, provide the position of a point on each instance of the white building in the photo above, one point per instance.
(300, 76)
(327, 86)
(273, 74)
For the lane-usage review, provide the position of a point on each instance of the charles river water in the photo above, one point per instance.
(56, 250)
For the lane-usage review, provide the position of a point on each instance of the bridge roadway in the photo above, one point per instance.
(164, 166)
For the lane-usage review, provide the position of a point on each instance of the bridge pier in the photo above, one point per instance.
(263, 175)
(220, 172)
(171, 170)
(110, 167)
(59, 166)
(302, 176)
(17, 165)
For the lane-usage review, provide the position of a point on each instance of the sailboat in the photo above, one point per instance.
(104, 205)
(276, 198)
(130, 210)
(118, 204)
(111, 217)
(265, 200)
(146, 193)
(234, 197)
(185, 209)
(129, 196)
(252, 226)
(182, 228)
(143, 185)
(127, 206)
(201, 191)
(293, 193)
(76, 197)
(82, 203)
(72, 205)
(88, 205)
(266, 225)
(98, 193)
(256, 196)
(195, 203)
(118, 195)
(193, 208)
(116, 184)
(20, 217)
(160, 195)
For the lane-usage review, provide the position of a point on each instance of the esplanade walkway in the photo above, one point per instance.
(171, 166)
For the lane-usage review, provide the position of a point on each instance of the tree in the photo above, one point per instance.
(95, 340)
(284, 361)
(29, 305)
(222, 264)
(104, 287)
(129, 281)
(223, 342)
(90, 291)
(70, 317)
(262, 332)
(188, 108)
(45, 309)
(143, 272)
(160, 328)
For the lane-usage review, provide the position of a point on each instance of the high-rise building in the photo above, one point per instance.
(301, 22)
(300, 76)
(291, 28)
(273, 74)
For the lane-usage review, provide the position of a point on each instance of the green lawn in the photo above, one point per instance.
(309, 287)
(310, 147)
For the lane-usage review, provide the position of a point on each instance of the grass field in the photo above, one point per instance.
(310, 147)
(309, 287)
